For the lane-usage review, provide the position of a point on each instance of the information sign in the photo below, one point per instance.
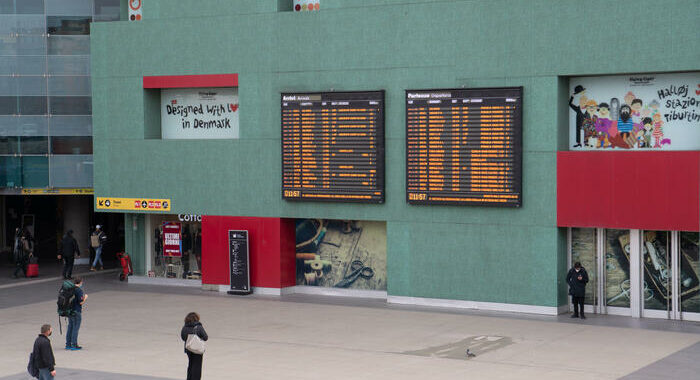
(238, 262)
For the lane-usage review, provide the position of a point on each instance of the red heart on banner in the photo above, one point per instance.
(233, 107)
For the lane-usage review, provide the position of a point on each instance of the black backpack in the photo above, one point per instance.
(66, 299)
(31, 366)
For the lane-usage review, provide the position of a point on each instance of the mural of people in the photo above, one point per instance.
(631, 111)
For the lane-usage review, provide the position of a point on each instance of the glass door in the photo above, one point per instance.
(657, 274)
(584, 247)
(616, 272)
(688, 284)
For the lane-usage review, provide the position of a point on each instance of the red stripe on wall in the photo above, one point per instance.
(271, 250)
(191, 81)
(629, 190)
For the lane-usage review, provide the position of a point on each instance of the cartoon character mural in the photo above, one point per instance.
(657, 111)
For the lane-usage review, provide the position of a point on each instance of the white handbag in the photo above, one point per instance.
(195, 344)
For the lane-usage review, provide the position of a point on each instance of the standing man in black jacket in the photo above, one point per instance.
(69, 249)
(577, 279)
(43, 354)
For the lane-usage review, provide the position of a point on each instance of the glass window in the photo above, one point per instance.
(69, 45)
(8, 85)
(71, 171)
(583, 250)
(31, 85)
(31, 24)
(8, 24)
(10, 172)
(32, 105)
(69, 65)
(69, 85)
(9, 145)
(69, 8)
(71, 145)
(35, 171)
(690, 272)
(8, 105)
(656, 251)
(8, 45)
(71, 105)
(8, 65)
(30, 7)
(71, 126)
(31, 65)
(66, 25)
(617, 264)
(8, 125)
(33, 145)
(7, 7)
(32, 125)
(31, 45)
(107, 10)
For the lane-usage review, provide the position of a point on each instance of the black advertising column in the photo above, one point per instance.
(238, 262)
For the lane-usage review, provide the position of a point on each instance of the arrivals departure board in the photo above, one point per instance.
(333, 146)
(464, 146)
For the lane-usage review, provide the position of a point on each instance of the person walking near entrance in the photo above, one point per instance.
(97, 240)
(76, 319)
(69, 249)
(577, 279)
(43, 354)
(18, 254)
(193, 327)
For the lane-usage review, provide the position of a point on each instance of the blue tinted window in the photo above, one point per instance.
(71, 171)
(34, 144)
(35, 171)
(10, 171)
(9, 144)
(71, 145)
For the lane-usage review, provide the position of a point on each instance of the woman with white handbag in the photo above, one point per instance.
(194, 336)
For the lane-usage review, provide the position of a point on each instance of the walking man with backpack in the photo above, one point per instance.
(69, 249)
(42, 355)
(70, 304)
(97, 241)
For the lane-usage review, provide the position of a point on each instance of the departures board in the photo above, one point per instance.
(464, 146)
(333, 146)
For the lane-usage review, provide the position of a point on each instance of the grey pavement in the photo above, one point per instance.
(131, 332)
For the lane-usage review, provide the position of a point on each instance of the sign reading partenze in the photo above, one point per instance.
(638, 111)
(199, 113)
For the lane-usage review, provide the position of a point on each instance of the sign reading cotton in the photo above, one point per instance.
(199, 113)
(639, 111)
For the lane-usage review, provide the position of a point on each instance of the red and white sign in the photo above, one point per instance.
(172, 240)
(135, 7)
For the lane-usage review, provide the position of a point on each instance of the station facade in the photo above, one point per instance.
(610, 177)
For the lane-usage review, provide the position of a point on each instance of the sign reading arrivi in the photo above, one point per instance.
(238, 262)
(199, 113)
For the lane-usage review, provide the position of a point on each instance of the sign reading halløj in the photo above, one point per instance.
(238, 262)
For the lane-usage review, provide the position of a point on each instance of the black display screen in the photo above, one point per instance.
(464, 146)
(239, 259)
(333, 146)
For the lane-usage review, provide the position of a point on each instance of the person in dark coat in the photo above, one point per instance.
(18, 255)
(69, 249)
(577, 279)
(193, 326)
(43, 354)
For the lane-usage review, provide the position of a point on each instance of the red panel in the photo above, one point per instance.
(191, 81)
(629, 190)
(272, 263)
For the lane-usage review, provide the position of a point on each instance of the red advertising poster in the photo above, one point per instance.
(172, 241)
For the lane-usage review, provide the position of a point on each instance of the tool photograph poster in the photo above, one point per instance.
(172, 239)
(347, 254)
(635, 111)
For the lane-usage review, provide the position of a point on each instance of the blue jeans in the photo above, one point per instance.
(72, 330)
(45, 374)
(98, 256)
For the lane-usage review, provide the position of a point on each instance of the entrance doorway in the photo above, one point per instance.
(651, 274)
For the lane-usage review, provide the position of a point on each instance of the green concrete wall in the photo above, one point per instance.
(469, 253)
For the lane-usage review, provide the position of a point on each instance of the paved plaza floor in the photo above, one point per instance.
(132, 332)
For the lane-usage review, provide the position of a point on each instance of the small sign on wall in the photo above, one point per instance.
(135, 10)
(199, 113)
(172, 239)
(307, 5)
